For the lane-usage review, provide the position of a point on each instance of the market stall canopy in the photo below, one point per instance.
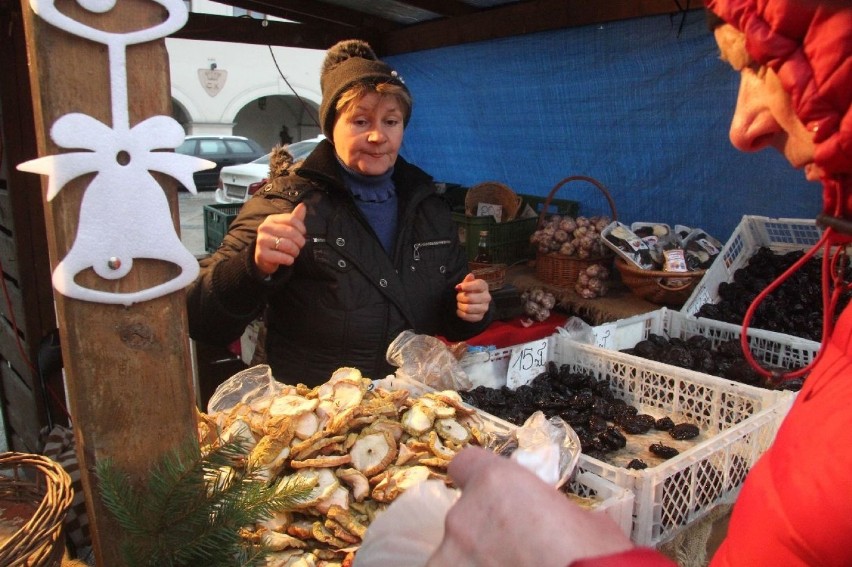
(393, 27)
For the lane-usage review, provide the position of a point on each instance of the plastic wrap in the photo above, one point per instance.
(247, 386)
(426, 359)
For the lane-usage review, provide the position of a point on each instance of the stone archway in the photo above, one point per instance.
(180, 114)
(263, 119)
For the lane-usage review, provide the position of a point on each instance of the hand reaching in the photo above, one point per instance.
(508, 517)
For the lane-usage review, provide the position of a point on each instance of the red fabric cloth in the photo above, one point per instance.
(794, 506)
(637, 557)
(504, 334)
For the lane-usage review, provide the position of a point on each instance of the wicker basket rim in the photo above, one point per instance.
(600, 186)
(486, 267)
(496, 191)
(38, 540)
(593, 259)
(625, 266)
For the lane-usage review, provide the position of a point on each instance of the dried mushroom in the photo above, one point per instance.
(359, 446)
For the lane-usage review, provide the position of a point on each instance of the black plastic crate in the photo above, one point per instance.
(217, 219)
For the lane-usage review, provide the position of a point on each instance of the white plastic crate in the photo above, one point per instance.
(768, 347)
(738, 423)
(753, 232)
(607, 498)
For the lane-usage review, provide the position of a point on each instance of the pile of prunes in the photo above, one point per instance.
(795, 308)
(697, 353)
(588, 405)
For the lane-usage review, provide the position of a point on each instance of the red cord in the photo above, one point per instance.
(832, 283)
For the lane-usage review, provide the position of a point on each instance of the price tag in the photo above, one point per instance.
(605, 336)
(526, 362)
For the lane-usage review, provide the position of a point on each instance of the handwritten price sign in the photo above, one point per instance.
(605, 336)
(526, 362)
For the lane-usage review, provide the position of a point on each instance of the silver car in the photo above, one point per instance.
(237, 183)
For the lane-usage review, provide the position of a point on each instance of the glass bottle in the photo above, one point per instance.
(483, 250)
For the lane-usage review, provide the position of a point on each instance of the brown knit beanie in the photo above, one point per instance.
(346, 64)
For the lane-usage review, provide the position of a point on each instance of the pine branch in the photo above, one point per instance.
(192, 507)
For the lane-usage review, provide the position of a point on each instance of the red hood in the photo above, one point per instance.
(809, 46)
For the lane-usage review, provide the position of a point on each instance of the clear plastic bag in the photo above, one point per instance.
(577, 330)
(246, 386)
(426, 359)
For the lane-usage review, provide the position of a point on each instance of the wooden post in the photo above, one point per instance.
(128, 369)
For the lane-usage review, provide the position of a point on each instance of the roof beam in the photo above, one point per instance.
(314, 12)
(443, 7)
(267, 32)
(519, 18)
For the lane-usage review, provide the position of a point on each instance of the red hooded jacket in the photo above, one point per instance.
(794, 506)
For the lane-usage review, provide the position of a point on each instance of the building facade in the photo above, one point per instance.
(268, 93)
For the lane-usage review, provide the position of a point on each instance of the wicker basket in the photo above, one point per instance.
(559, 270)
(495, 194)
(494, 274)
(37, 484)
(662, 288)
(563, 271)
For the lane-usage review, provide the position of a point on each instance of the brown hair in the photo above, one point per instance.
(360, 90)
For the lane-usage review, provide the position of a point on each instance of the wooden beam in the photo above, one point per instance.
(266, 32)
(443, 7)
(519, 18)
(128, 368)
(314, 12)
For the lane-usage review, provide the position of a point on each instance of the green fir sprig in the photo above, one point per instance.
(191, 509)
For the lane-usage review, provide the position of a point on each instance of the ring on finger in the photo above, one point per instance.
(277, 242)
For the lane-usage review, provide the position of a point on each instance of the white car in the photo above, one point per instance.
(237, 183)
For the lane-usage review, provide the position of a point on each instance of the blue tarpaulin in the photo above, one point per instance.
(641, 105)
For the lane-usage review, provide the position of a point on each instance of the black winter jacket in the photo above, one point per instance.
(344, 300)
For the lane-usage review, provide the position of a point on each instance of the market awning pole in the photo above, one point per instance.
(128, 369)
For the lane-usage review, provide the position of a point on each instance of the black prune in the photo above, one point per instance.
(677, 356)
(597, 425)
(646, 349)
(742, 371)
(594, 445)
(663, 451)
(601, 388)
(638, 424)
(663, 424)
(699, 342)
(613, 439)
(683, 431)
(637, 464)
(658, 340)
(703, 361)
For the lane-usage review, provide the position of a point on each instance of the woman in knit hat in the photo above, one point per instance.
(795, 62)
(350, 249)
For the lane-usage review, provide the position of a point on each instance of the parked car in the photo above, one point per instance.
(239, 182)
(224, 150)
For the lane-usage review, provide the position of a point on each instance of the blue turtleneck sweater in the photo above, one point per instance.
(375, 196)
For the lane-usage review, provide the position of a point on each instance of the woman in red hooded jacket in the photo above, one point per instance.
(795, 62)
